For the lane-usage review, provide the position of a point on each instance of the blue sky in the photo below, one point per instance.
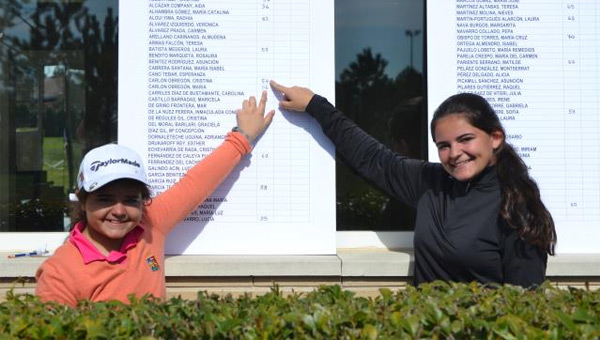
(380, 25)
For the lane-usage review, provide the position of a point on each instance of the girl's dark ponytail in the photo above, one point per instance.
(521, 205)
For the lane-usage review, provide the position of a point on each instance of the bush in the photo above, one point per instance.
(437, 310)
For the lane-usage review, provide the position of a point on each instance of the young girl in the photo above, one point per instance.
(117, 249)
(479, 214)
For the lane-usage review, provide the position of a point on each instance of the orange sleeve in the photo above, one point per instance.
(174, 204)
(51, 285)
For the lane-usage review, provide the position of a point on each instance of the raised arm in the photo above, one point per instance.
(170, 207)
(395, 174)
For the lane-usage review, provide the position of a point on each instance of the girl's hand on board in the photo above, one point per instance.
(295, 98)
(251, 118)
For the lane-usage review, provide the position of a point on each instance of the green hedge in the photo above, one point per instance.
(438, 310)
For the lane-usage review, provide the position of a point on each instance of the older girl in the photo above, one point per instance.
(479, 214)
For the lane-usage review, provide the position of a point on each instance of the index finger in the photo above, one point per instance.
(277, 86)
(263, 101)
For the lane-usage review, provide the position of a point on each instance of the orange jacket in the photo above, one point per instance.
(65, 278)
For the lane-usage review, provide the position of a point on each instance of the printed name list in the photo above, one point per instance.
(200, 60)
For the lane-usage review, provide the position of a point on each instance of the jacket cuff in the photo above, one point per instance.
(239, 142)
(315, 103)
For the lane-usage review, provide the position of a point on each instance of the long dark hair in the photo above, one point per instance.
(78, 214)
(521, 205)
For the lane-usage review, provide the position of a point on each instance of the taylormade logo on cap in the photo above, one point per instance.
(98, 164)
(108, 163)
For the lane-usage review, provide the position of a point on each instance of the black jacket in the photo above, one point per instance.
(459, 235)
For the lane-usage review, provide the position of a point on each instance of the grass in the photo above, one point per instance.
(55, 162)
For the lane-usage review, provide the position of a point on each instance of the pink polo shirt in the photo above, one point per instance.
(90, 253)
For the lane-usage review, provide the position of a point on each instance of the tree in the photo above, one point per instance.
(366, 72)
(363, 89)
(367, 95)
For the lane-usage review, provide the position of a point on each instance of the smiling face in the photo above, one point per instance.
(111, 212)
(464, 150)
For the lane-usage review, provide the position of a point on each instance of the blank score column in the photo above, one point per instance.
(301, 138)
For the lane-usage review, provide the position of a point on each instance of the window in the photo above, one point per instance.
(58, 99)
(58, 91)
(380, 86)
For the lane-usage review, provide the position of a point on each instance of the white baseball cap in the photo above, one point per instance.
(108, 163)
